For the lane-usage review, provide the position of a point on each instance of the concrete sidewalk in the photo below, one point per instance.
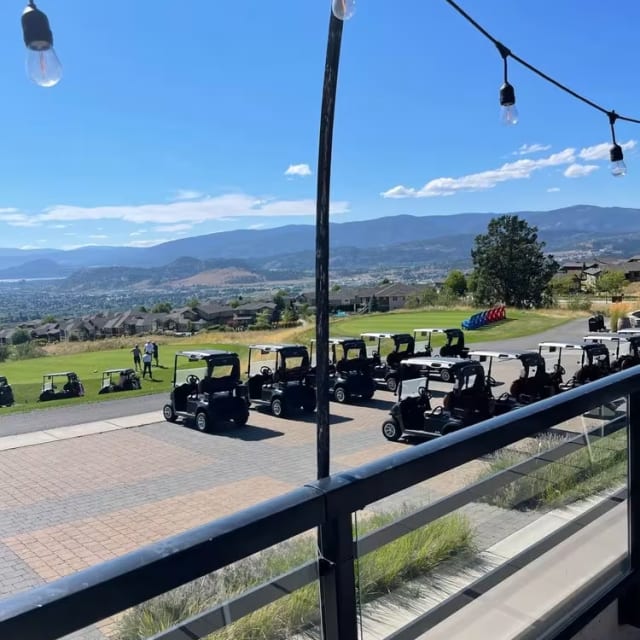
(78, 430)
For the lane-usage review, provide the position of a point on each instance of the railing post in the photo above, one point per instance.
(337, 581)
(629, 603)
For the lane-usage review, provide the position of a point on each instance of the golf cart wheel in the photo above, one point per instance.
(392, 384)
(445, 376)
(278, 408)
(241, 419)
(391, 431)
(202, 421)
(340, 395)
(168, 413)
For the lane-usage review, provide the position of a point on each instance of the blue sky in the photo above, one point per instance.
(183, 118)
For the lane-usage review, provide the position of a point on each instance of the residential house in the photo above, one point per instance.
(49, 331)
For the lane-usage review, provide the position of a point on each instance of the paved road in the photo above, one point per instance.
(70, 415)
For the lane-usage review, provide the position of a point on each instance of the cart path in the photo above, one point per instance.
(42, 420)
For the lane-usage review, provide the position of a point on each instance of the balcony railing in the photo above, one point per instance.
(613, 404)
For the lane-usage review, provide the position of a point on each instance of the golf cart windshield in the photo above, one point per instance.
(422, 338)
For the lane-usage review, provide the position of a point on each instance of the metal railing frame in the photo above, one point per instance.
(79, 600)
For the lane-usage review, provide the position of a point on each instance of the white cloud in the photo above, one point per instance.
(173, 228)
(58, 226)
(228, 207)
(300, 170)
(139, 232)
(146, 243)
(601, 151)
(98, 236)
(553, 189)
(526, 149)
(579, 170)
(15, 219)
(517, 170)
(256, 226)
(187, 194)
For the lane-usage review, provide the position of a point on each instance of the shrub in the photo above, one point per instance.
(28, 350)
(5, 352)
(578, 475)
(579, 303)
(379, 572)
(20, 336)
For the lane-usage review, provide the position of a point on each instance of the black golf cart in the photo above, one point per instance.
(384, 371)
(207, 388)
(6, 393)
(349, 373)
(626, 352)
(596, 323)
(283, 379)
(452, 348)
(115, 380)
(466, 404)
(72, 388)
(594, 362)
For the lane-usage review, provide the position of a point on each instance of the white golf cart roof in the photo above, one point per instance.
(424, 332)
(339, 340)
(561, 345)
(629, 332)
(499, 355)
(59, 373)
(121, 370)
(201, 354)
(373, 336)
(602, 337)
(268, 348)
(434, 363)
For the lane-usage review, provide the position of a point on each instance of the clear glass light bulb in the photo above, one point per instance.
(343, 9)
(618, 168)
(509, 115)
(43, 66)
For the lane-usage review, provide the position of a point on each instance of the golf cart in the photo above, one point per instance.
(72, 388)
(632, 342)
(385, 371)
(349, 373)
(6, 393)
(284, 380)
(594, 362)
(452, 348)
(466, 404)
(596, 323)
(114, 380)
(434, 366)
(207, 390)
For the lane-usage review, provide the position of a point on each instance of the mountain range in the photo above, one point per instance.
(283, 252)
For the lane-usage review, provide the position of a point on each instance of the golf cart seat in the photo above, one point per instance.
(256, 382)
(216, 385)
(295, 374)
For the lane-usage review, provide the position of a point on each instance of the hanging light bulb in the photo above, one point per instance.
(343, 9)
(618, 167)
(43, 65)
(508, 111)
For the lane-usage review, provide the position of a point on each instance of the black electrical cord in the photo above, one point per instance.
(505, 53)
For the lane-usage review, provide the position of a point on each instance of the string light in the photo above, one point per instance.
(507, 93)
(43, 65)
(509, 113)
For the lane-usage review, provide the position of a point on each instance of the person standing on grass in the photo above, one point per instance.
(146, 361)
(155, 352)
(137, 355)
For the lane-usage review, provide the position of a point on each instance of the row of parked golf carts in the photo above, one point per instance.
(471, 398)
(208, 387)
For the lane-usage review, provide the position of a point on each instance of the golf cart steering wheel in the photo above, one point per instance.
(504, 396)
(423, 392)
(559, 369)
(192, 379)
(491, 381)
(266, 371)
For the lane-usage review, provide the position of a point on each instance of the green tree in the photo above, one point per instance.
(611, 282)
(336, 287)
(142, 309)
(456, 283)
(564, 284)
(20, 336)
(49, 318)
(192, 303)
(510, 264)
(263, 319)
(162, 307)
(385, 281)
(289, 315)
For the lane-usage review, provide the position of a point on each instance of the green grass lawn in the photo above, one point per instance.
(25, 376)
(517, 324)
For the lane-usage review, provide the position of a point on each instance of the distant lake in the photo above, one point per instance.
(31, 279)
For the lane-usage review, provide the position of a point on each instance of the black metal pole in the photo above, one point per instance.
(322, 244)
(335, 539)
